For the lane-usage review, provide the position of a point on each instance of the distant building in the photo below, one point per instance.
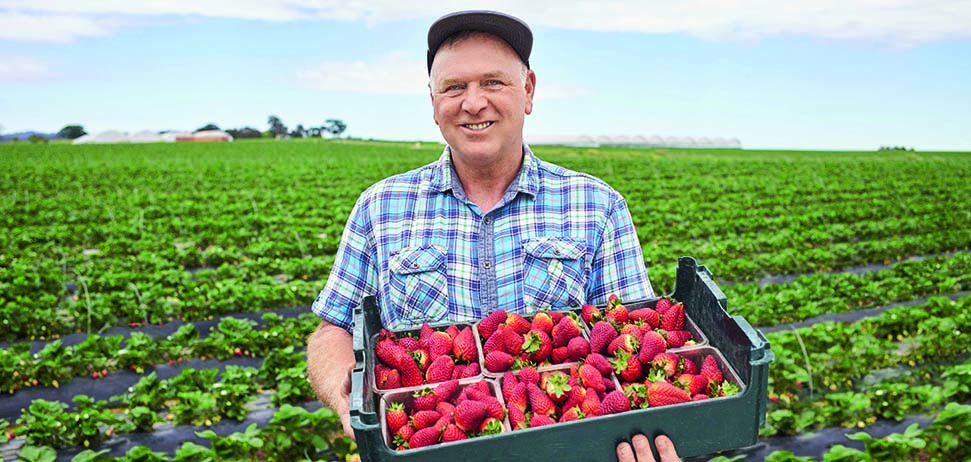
(635, 141)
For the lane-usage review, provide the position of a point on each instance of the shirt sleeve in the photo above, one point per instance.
(618, 265)
(354, 274)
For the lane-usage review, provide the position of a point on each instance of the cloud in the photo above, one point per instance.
(22, 68)
(49, 27)
(393, 74)
(894, 21)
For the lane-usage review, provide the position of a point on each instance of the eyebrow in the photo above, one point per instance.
(487, 75)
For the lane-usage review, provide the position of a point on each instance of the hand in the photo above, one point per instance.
(642, 450)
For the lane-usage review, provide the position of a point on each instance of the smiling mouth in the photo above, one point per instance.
(478, 126)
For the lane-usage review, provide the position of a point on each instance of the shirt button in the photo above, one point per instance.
(487, 264)
(414, 265)
(487, 221)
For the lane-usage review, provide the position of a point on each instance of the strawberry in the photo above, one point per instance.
(591, 377)
(618, 314)
(645, 315)
(424, 333)
(491, 426)
(591, 403)
(662, 306)
(612, 301)
(487, 326)
(425, 399)
(565, 330)
(687, 366)
(542, 321)
(600, 362)
(678, 338)
(458, 370)
(446, 409)
(577, 349)
(529, 375)
(425, 437)
(477, 394)
(590, 314)
(601, 334)
(409, 343)
(447, 390)
(651, 344)
(463, 346)
(469, 414)
(421, 359)
(613, 403)
(518, 397)
(388, 352)
(518, 323)
(673, 318)
(636, 394)
(424, 419)
(555, 385)
(396, 417)
(666, 362)
(561, 354)
(663, 394)
(699, 397)
(402, 436)
(624, 342)
(537, 345)
(539, 401)
(571, 414)
(498, 361)
(630, 329)
(452, 331)
(511, 340)
(471, 370)
(627, 367)
(439, 343)
(509, 381)
(539, 420)
(411, 375)
(453, 433)
(693, 384)
(517, 418)
(494, 343)
(710, 370)
(494, 408)
(392, 379)
(440, 370)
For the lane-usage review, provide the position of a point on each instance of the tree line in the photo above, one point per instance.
(276, 129)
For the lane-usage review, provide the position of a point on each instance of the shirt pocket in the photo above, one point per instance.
(418, 285)
(555, 273)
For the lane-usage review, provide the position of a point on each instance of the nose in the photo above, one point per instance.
(474, 100)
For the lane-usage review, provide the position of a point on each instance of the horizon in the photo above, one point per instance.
(822, 75)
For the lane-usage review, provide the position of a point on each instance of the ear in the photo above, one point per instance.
(431, 98)
(530, 90)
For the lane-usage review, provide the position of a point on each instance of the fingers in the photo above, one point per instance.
(642, 448)
(666, 449)
(625, 453)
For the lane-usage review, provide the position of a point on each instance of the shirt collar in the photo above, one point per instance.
(444, 177)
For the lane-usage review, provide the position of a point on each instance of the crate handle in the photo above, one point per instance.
(755, 337)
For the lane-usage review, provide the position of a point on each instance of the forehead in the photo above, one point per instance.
(475, 52)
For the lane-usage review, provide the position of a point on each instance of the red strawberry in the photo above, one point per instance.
(476, 393)
(636, 394)
(452, 331)
(645, 315)
(511, 340)
(488, 325)
(539, 401)
(618, 314)
(458, 370)
(453, 433)
(542, 321)
(494, 343)
(424, 333)
(402, 436)
(627, 367)
(601, 334)
(692, 383)
(630, 329)
(591, 377)
(590, 314)
(699, 397)
(517, 418)
(463, 346)
(687, 366)
(710, 370)
(615, 402)
(624, 342)
(555, 385)
(518, 323)
(612, 301)
(561, 354)
(498, 361)
(565, 330)
(537, 345)
(666, 362)
(411, 375)
(440, 370)
(425, 437)
(600, 362)
(518, 397)
(421, 359)
(439, 343)
(424, 419)
(446, 409)
(678, 338)
(509, 381)
(663, 394)
(494, 407)
(425, 399)
(409, 343)
(388, 352)
(446, 391)
(571, 414)
(539, 420)
(662, 306)
(491, 426)
(396, 417)
(469, 414)
(393, 379)
(591, 403)
(529, 375)
(651, 344)
(471, 370)
(673, 318)
(577, 349)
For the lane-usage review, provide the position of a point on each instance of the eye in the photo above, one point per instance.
(493, 82)
(453, 88)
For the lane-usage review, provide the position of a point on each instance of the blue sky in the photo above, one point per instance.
(822, 74)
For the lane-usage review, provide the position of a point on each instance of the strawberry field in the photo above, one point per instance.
(155, 298)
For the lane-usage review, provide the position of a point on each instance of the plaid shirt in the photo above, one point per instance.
(557, 239)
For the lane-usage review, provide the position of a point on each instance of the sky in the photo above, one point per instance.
(789, 74)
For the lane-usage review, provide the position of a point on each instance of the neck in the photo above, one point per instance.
(485, 184)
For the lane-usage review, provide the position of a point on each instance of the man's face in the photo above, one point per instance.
(481, 94)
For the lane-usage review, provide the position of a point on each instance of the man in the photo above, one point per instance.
(486, 227)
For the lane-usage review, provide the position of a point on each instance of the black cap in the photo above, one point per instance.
(509, 28)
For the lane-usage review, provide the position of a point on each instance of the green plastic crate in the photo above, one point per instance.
(696, 428)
